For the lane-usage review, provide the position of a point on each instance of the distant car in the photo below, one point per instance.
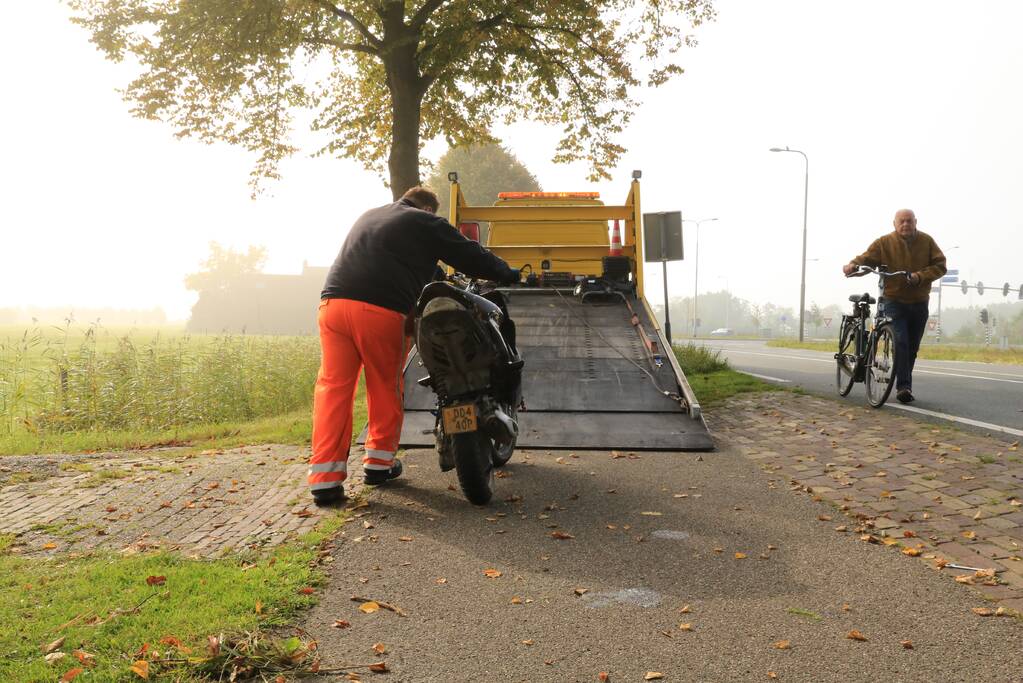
(722, 332)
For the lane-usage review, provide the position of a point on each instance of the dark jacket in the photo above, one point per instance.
(391, 253)
(918, 255)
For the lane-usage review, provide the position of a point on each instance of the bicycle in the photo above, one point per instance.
(867, 356)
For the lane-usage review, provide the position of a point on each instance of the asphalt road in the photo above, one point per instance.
(653, 543)
(971, 392)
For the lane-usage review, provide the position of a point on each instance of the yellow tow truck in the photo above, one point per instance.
(598, 371)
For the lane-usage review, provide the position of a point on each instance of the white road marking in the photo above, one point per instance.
(964, 420)
(830, 361)
(767, 377)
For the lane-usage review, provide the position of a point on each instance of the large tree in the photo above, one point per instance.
(381, 76)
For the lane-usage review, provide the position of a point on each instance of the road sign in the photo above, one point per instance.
(950, 278)
(931, 324)
(952, 271)
(827, 322)
(662, 236)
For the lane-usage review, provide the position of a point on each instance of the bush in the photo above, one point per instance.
(699, 359)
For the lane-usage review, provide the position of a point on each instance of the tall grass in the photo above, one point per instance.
(63, 382)
(699, 359)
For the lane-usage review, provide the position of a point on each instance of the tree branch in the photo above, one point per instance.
(424, 12)
(348, 17)
(353, 47)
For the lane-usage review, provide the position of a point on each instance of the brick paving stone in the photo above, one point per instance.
(206, 504)
(929, 481)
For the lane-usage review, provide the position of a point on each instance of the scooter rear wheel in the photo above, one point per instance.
(474, 453)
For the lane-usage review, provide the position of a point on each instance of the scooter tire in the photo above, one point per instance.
(474, 466)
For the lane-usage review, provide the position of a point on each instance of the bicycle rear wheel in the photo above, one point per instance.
(881, 366)
(847, 357)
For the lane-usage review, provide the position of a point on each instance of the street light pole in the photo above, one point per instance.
(802, 279)
(696, 270)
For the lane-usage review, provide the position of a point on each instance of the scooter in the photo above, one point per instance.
(466, 341)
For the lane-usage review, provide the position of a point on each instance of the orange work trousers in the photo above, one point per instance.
(356, 335)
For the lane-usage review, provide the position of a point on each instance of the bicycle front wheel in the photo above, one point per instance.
(846, 358)
(881, 366)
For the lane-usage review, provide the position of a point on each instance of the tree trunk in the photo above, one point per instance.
(407, 90)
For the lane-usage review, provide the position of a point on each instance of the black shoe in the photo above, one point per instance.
(331, 496)
(378, 477)
(905, 396)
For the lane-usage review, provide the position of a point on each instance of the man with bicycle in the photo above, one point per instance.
(905, 300)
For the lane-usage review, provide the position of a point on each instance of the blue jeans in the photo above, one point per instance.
(909, 321)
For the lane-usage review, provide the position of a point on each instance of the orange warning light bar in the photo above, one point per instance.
(548, 195)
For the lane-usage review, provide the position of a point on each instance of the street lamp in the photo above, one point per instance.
(696, 258)
(802, 280)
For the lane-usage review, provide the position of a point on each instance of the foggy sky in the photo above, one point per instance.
(909, 104)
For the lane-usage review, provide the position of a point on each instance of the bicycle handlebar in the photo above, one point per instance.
(867, 270)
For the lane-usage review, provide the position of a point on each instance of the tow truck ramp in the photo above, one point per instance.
(592, 379)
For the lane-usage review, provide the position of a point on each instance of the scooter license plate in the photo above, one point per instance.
(459, 419)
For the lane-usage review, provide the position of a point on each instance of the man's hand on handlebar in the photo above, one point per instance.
(853, 270)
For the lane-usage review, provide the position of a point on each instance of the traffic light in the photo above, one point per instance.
(980, 287)
(964, 286)
(983, 316)
(1005, 289)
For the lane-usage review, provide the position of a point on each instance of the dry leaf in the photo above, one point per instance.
(491, 573)
(84, 657)
(740, 556)
(653, 676)
(771, 674)
(561, 535)
(141, 669)
(983, 611)
(369, 607)
(379, 648)
(156, 580)
(685, 627)
(581, 591)
(51, 647)
(527, 642)
(54, 657)
(824, 518)
(441, 581)
(516, 600)
(856, 635)
(846, 607)
(306, 591)
(970, 535)
(49, 546)
(912, 552)
(71, 675)
(907, 644)
(602, 676)
(783, 645)
(259, 607)
(686, 609)
(342, 623)
(1001, 612)
(405, 538)
(379, 667)
(650, 513)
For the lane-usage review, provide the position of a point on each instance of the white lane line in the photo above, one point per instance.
(915, 370)
(964, 420)
(767, 377)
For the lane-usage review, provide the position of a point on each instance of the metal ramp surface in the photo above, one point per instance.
(581, 383)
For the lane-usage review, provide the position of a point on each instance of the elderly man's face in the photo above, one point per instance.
(905, 223)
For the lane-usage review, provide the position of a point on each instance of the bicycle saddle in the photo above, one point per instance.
(862, 298)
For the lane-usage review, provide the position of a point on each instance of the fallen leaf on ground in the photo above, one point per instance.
(846, 607)
(342, 623)
(783, 645)
(824, 518)
(441, 581)
(51, 647)
(259, 607)
(369, 607)
(1001, 612)
(771, 674)
(141, 669)
(651, 513)
(856, 635)
(156, 580)
(379, 667)
(983, 611)
(379, 648)
(740, 556)
(686, 609)
(405, 538)
(602, 676)
(581, 591)
(84, 657)
(561, 535)
(685, 627)
(653, 676)
(71, 674)
(516, 600)
(970, 535)
(54, 657)
(965, 578)
(306, 591)
(912, 552)
(491, 573)
(907, 644)
(527, 642)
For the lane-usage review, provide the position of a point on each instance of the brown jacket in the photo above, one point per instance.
(919, 255)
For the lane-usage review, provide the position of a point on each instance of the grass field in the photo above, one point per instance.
(88, 388)
(927, 351)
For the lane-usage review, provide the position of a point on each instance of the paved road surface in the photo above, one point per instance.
(979, 392)
(640, 553)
